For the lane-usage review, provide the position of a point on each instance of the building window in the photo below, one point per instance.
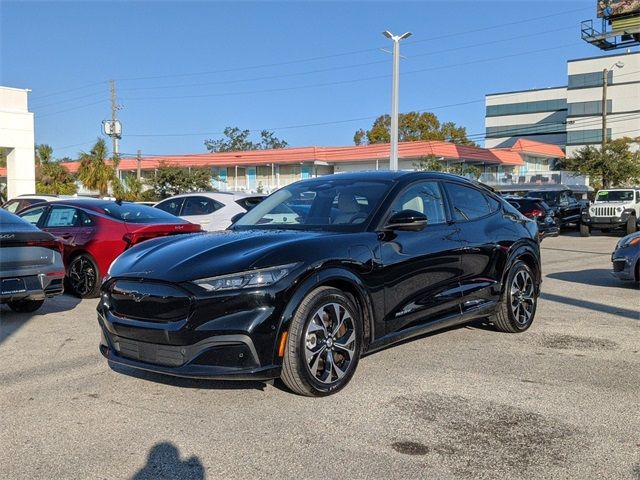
(519, 130)
(593, 79)
(526, 107)
(585, 137)
(588, 108)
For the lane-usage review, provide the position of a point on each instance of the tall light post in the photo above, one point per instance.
(605, 82)
(395, 87)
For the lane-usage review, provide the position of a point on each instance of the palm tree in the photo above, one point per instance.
(94, 172)
(44, 154)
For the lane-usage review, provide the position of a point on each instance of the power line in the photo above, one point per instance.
(71, 109)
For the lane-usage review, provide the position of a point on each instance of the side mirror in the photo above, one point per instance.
(407, 220)
(237, 217)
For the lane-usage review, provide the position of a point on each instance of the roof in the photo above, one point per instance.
(334, 155)
(537, 148)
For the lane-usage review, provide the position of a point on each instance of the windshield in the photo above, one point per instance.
(326, 204)
(615, 196)
(135, 213)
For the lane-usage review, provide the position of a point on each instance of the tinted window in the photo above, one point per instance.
(33, 216)
(468, 203)
(423, 197)
(615, 196)
(62, 217)
(134, 213)
(200, 206)
(172, 206)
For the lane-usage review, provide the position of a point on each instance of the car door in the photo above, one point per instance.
(202, 210)
(477, 217)
(421, 268)
(63, 222)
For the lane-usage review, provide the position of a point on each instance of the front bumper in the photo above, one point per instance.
(623, 267)
(606, 222)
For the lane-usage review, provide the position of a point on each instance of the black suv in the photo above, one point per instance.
(566, 208)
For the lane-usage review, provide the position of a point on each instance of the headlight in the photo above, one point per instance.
(592, 210)
(628, 242)
(249, 279)
(619, 209)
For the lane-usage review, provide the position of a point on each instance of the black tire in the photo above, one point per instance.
(25, 306)
(585, 230)
(632, 227)
(557, 223)
(507, 318)
(83, 277)
(309, 332)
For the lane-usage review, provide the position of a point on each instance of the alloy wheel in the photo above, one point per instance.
(522, 297)
(330, 343)
(82, 276)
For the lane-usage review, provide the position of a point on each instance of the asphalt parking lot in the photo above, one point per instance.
(559, 401)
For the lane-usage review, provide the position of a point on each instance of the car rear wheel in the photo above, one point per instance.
(519, 300)
(323, 343)
(83, 277)
(25, 306)
(585, 231)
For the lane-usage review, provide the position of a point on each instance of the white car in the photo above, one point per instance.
(213, 211)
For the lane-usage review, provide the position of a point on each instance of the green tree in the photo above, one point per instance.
(94, 172)
(51, 176)
(412, 126)
(433, 164)
(616, 165)
(172, 180)
(239, 140)
(430, 163)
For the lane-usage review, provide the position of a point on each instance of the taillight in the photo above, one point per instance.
(537, 213)
(133, 238)
(50, 244)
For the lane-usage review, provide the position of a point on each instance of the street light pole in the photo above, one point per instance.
(605, 83)
(395, 89)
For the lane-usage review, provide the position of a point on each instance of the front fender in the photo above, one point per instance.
(326, 277)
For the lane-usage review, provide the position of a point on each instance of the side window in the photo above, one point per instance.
(85, 220)
(564, 198)
(12, 206)
(171, 206)
(423, 197)
(467, 202)
(62, 217)
(33, 216)
(494, 204)
(200, 206)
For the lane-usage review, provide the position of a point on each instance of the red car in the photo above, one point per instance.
(95, 232)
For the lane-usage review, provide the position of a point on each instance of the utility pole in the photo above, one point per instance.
(395, 88)
(115, 130)
(138, 164)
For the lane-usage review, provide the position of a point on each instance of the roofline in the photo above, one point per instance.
(603, 56)
(525, 91)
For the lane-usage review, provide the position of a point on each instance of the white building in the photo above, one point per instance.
(17, 141)
(570, 116)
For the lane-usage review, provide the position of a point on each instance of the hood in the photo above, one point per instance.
(188, 257)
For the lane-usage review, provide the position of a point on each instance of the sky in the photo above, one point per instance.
(311, 71)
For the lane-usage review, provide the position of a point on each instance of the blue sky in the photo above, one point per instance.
(194, 68)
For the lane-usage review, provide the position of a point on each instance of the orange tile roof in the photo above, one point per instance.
(449, 151)
(538, 148)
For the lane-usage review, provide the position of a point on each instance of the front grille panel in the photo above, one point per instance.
(618, 265)
(151, 302)
(605, 211)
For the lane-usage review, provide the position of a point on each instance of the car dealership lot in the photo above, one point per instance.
(560, 400)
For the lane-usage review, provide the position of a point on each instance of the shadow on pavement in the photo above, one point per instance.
(11, 322)
(180, 382)
(164, 462)
(586, 304)
(598, 277)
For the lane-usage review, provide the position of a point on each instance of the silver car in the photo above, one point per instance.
(626, 258)
(31, 267)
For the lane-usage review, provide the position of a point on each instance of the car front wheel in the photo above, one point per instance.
(323, 343)
(519, 300)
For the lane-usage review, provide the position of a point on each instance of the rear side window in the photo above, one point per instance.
(172, 206)
(467, 202)
(200, 206)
